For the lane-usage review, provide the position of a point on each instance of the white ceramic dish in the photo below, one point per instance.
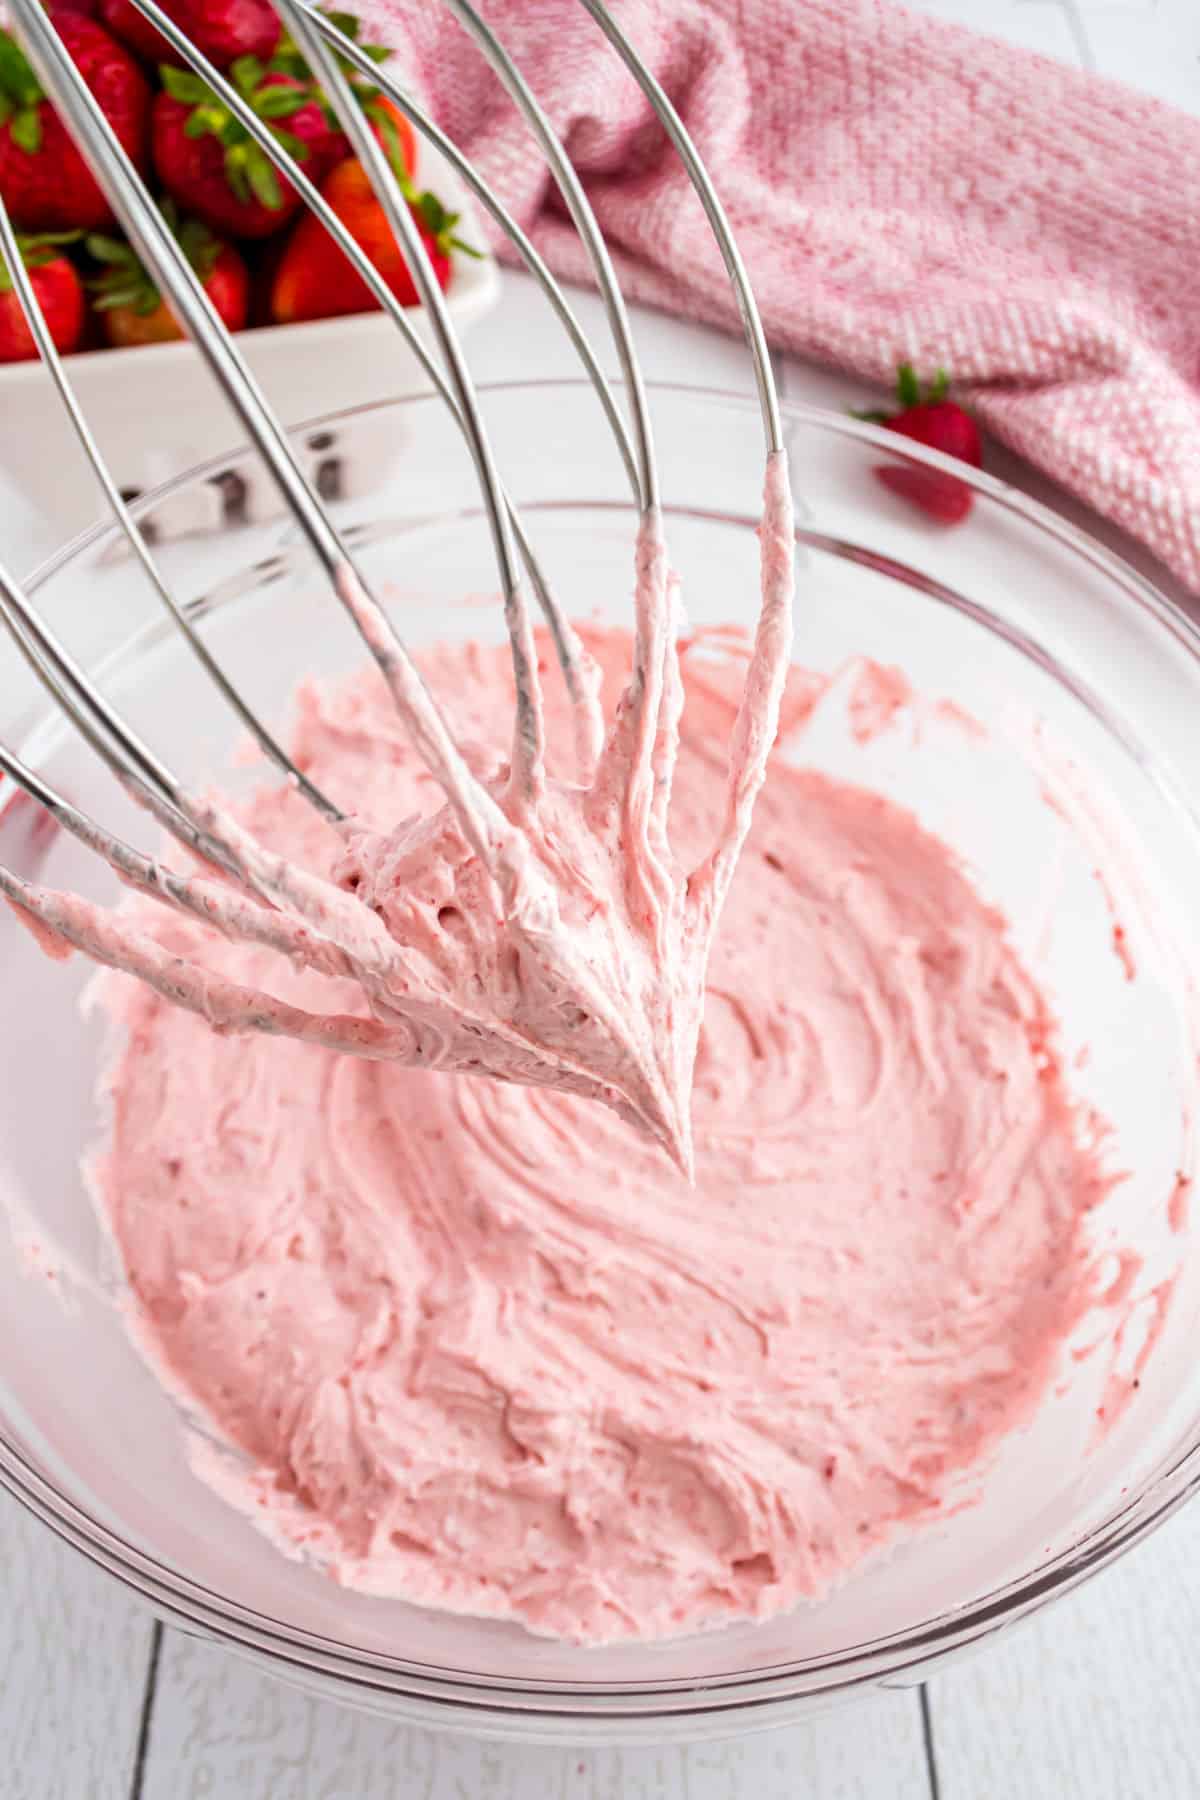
(157, 411)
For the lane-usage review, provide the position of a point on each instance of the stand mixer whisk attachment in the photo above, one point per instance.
(579, 944)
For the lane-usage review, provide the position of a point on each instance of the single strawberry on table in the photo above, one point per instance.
(131, 308)
(222, 29)
(316, 281)
(58, 291)
(45, 182)
(211, 165)
(928, 417)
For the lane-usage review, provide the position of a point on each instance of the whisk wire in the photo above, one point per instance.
(570, 653)
(10, 254)
(142, 775)
(478, 813)
(313, 919)
(104, 731)
(718, 219)
(428, 129)
(584, 219)
(141, 872)
(528, 772)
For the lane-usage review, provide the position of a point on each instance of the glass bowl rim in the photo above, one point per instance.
(1010, 499)
(577, 1709)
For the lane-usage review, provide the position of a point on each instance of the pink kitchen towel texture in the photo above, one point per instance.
(901, 189)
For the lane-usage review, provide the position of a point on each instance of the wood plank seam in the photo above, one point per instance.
(929, 1742)
(147, 1713)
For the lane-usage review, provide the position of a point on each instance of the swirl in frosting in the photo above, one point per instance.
(483, 1346)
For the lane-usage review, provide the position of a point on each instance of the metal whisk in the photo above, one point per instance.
(252, 894)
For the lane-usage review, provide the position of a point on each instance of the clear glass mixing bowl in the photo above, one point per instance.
(1089, 687)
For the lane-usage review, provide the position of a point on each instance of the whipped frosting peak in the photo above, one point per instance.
(532, 928)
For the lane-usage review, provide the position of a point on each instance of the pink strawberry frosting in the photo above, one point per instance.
(481, 1344)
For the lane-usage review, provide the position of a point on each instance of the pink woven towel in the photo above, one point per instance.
(901, 189)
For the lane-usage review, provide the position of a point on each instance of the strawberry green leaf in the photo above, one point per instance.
(247, 72)
(108, 250)
(264, 182)
(434, 214)
(871, 416)
(294, 146)
(287, 60)
(36, 252)
(131, 293)
(386, 127)
(440, 224)
(279, 102)
(199, 246)
(236, 175)
(25, 130)
(908, 388)
(123, 281)
(195, 125)
(42, 239)
(351, 27)
(126, 283)
(185, 87)
(17, 78)
(939, 387)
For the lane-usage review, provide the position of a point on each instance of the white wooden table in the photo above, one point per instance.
(1099, 1699)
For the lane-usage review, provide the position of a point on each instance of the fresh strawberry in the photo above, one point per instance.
(265, 258)
(222, 29)
(59, 293)
(391, 127)
(930, 418)
(211, 164)
(315, 280)
(136, 32)
(45, 182)
(131, 308)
